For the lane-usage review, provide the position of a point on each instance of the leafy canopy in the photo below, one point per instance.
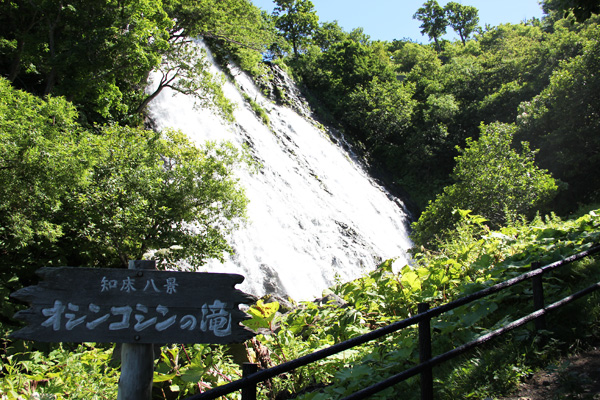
(99, 54)
(581, 9)
(563, 120)
(76, 197)
(463, 19)
(492, 180)
(433, 20)
(297, 20)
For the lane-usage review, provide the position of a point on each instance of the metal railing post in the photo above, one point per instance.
(425, 353)
(538, 297)
(249, 392)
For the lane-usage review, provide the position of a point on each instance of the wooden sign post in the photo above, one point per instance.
(137, 307)
(137, 360)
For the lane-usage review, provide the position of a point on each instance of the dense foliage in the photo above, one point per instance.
(492, 179)
(83, 183)
(72, 196)
(434, 22)
(581, 9)
(297, 20)
(410, 106)
(99, 54)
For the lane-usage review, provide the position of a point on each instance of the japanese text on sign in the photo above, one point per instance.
(78, 304)
(212, 318)
(128, 285)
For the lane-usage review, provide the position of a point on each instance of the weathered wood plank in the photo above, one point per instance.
(133, 306)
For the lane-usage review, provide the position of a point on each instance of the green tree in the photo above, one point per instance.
(233, 21)
(516, 62)
(563, 120)
(186, 69)
(97, 54)
(433, 21)
(40, 161)
(74, 197)
(352, 67)
(381, 111)
(581, 9)
(235, 26)
(491, 179)
(298, 21)
(463, 19)
(426, 158)
(153, 191)
(328, 34)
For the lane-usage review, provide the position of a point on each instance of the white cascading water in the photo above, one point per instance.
(315, 215)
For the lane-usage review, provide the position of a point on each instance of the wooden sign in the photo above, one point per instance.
(133, 306)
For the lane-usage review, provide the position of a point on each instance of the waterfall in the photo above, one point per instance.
(315, 215)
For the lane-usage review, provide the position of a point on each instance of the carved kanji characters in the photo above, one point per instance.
(128, 285)
(151, 285)
(107, 285)
(171, 285)
(216, 319)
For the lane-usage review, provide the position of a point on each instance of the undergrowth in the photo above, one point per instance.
(473, 259)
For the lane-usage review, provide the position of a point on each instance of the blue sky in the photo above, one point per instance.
(392, 19)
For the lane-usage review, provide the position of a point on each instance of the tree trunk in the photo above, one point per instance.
(51, 76)
(149, 98)
(16, 62)
(437, 44)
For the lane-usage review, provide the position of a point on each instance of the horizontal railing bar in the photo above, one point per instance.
(305, 360)
(508, 283)
(378, 387)
(288, 366)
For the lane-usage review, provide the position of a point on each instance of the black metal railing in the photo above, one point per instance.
(252, 376)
